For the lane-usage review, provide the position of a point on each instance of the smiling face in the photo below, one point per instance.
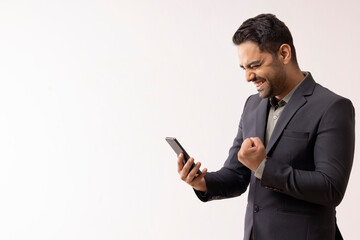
(265, 70)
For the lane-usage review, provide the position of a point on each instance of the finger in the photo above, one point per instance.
(185, 171)
(180, 163)
(192, 174)
(198, 178)
(203, 172)
(246, 146)
(257, 142)
(247, 143)
(252, 142)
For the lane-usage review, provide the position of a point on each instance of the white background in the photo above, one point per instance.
(90, 89)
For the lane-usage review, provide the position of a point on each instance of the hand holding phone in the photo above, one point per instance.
(197, 181)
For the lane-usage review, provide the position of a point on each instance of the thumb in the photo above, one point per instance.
(256, 141)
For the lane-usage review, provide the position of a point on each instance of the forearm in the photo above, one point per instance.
(311, 186)
(225, 183)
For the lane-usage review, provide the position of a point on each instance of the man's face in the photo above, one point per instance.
(265, 70)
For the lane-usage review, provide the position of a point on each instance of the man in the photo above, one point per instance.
(295, 143)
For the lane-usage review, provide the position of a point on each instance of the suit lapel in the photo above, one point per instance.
(289, 110)
(295, 103)
(261, 119)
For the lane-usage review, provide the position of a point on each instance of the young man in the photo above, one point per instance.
(295, 143)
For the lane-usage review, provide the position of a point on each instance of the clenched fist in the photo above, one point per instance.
(252, 153)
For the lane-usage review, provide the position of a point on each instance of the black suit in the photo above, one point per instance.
(309, 159)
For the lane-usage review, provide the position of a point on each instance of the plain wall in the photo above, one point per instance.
(90, 89)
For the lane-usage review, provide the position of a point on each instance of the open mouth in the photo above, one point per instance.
(259, 84)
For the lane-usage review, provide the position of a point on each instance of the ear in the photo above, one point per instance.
(284, 53)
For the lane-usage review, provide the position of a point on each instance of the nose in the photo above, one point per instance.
(249, 75)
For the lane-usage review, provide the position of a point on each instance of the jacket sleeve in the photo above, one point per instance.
(333, 158)
(232, 179)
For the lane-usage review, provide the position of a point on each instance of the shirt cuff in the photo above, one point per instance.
(259, 171)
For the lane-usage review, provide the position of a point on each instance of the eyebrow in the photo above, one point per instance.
(251, 63)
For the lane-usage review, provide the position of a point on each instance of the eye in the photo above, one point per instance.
(254, 66)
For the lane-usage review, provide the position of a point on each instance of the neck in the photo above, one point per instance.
(293, 77)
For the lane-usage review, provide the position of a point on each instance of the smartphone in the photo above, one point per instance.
(174, 143)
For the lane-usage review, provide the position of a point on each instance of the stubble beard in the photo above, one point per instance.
(273, 88)
(267, 92)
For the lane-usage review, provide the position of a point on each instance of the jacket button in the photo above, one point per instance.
(256, 208)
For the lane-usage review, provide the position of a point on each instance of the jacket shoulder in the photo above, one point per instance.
(326, 97)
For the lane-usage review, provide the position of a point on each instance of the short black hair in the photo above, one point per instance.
(268, 32)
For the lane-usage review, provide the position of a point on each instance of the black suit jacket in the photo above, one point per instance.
(309, 159)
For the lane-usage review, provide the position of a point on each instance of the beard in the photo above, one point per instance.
(273, 87)
(267, 91)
